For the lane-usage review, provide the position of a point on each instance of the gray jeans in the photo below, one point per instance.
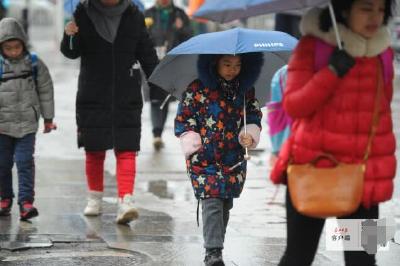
(215, 214)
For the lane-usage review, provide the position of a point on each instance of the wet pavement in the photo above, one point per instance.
(166, 232)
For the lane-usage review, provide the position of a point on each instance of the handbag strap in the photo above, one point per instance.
(375, 115)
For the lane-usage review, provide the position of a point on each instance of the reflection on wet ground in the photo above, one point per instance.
(166, 231)
(23, 241)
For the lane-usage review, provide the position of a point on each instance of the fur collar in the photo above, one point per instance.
(354, 44)
(251, 68)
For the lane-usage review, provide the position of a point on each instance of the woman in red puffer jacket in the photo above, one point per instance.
(332, 108)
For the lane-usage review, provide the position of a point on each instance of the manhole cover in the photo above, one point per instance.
(78, 258)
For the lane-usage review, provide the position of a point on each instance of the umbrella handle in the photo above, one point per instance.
(335, 27)
(246, 155)
(165, 101)
(71, 44)
(236, 165)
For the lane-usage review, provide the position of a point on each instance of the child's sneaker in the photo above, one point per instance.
(93, 207)
(126, 211)
(27, 211)
(5, 206)
(214, 257)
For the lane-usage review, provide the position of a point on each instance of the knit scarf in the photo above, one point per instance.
(106, 19)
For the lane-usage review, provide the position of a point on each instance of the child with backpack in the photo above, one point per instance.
(209, 123)
(26, 93)
(333, 97)
(277, 119)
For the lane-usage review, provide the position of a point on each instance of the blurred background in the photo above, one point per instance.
(55, 13)
(163, 173)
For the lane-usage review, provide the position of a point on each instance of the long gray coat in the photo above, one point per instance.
(21, 103)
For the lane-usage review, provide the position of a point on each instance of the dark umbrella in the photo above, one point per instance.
(227, 10)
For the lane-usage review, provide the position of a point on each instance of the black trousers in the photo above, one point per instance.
(158, 117)
(303, 234)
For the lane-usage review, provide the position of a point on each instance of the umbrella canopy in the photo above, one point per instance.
(179, 68)
(70, 5)
(227, 10)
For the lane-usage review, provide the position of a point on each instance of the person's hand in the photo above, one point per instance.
(245, 140)
(190, 143)
(178, 23)
(341, 62)
(71, 28)
(49, 126)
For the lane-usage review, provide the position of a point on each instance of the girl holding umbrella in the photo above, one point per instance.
(220, 79)
(210, 125)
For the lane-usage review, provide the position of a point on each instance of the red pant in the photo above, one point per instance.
(126, 171)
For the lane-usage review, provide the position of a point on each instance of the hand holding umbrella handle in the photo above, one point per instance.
(246, 155)
(71, 44)
(71, 38)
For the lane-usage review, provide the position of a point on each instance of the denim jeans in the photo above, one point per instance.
(20, 151)
(215, 213)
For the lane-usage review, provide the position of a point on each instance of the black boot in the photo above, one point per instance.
(214, 257)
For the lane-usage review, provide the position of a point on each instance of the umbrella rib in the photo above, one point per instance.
(279, 56)
(237, 40)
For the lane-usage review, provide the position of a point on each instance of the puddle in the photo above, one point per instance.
(173, 190)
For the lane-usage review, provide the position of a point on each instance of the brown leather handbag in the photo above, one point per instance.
(336, 191)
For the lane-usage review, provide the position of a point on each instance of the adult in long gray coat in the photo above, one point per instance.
(110, 38)
(26, 93)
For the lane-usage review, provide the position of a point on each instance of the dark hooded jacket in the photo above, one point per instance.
(109, 100)
(165, 32)
(168, 33)
(218, 118)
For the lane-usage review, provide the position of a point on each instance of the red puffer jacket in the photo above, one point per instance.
(334, 115)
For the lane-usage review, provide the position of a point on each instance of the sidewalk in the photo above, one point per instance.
(166, 232)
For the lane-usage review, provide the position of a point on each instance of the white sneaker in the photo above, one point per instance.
(93, 207)
(126, 211)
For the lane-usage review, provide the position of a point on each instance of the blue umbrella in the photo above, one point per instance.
(179, 67)
(227, 10)
(70, 5)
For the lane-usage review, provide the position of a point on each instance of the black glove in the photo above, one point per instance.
(341, 62)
